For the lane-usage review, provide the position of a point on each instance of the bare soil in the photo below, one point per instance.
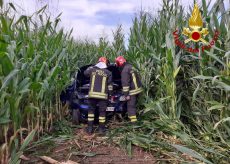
(86, 149)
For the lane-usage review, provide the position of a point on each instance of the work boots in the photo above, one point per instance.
(89, 129)
(101, 129)
(134, 123)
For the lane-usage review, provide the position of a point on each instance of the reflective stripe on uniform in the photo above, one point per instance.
(90, 115)
(98, 95)
(90, 119)
(134, 80)
(92, 83)
(131, 117)
(125, 89)
(103, 85)
(133, 120)
(135, 91)
(102, 119)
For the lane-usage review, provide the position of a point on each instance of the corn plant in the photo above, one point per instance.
(186, 102)
(37, 61)
(187, 93)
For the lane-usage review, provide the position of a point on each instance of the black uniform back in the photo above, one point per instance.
(100, 82)
(130, 79)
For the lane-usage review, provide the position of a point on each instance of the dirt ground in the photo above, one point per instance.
(85, 149)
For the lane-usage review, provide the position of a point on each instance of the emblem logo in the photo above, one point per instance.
(196, 24)
(195, 33)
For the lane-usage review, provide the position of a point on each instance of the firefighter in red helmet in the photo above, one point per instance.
(100, 87)
(131, 86)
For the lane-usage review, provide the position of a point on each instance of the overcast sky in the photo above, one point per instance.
(94, 18)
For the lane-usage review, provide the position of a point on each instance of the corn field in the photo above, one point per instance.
(186, 104)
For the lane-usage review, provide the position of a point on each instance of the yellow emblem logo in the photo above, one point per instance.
(196, 33)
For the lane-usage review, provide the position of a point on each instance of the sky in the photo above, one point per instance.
(93, 19)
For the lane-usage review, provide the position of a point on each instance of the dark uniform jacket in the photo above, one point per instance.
(100, 82)
(131, 82)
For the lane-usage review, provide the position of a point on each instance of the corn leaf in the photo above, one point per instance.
(191, 153)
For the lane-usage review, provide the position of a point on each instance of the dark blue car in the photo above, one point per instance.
(77, 96)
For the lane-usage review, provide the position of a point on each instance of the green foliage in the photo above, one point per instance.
(186, 95)
(37, 61)
(118, 44)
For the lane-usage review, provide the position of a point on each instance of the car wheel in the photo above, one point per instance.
(76, 116)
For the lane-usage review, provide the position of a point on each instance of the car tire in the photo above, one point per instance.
(76, 116)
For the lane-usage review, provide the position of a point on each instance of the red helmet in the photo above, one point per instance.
(120, 60)
(103, 59)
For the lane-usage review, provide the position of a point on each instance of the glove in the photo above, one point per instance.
(124, 98)
(127, 98)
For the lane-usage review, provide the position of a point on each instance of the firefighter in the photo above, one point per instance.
(131, 86)
(100, 87)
